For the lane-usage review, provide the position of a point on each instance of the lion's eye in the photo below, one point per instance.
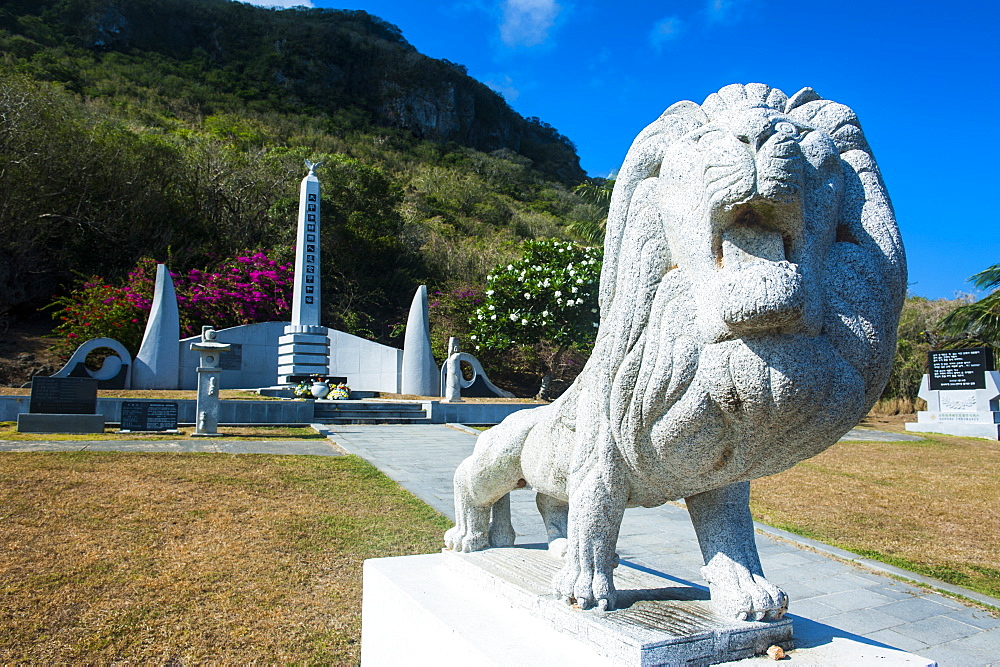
(786, 128)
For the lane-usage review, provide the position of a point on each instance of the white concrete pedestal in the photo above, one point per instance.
(493, 608)
(417, 612)
(499, 609)
(303, 350)
(963, 412)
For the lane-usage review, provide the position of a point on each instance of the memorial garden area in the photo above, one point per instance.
(111, 556)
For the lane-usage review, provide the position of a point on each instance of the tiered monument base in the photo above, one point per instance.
(303, 350)
(495, 607)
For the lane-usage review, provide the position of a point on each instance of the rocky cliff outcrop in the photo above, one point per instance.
(322, 59)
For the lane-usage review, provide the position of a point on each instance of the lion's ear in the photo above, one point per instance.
(805, 95)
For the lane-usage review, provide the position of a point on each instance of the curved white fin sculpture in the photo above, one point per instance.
(157, 365)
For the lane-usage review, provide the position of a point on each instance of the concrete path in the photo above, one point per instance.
(830, 598)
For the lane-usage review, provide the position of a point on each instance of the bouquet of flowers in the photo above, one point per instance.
(340, 392)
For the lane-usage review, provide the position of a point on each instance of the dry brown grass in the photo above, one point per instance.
(8, 431)
(898, 406)
(111, 557)
(930, 506)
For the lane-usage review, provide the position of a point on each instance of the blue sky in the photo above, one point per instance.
(923, 77)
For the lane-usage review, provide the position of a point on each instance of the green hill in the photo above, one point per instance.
(178, 127)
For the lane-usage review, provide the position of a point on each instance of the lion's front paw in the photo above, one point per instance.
(740, 594)
(458, 539)
(586, 587)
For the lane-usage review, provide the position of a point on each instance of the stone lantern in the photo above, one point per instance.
(209, 375)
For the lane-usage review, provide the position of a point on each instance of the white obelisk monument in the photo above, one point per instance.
(305, 348)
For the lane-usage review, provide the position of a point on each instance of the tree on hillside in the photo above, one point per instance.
(978, 323)
(546, 301)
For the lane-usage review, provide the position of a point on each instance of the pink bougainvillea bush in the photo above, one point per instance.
(244, 290)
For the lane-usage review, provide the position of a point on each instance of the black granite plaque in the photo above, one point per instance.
(959, 369)
(232, 359)
(149, 416)
(63, 396)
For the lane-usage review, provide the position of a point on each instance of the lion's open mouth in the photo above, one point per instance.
(744, 236)
(761, 286)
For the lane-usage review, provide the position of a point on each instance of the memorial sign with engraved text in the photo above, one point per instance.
(149, 416)
(63, 396)
(959, 369)
(232, 359)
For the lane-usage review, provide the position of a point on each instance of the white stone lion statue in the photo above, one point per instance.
(751, 288)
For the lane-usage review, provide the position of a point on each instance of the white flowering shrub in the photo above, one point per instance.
(549, 296)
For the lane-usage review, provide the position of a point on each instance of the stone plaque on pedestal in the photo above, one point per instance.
(963, 394)
(63, 396)
(62, 405)
(149, 416)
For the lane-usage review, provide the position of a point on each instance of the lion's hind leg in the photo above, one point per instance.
(555, 516)
(482, 482)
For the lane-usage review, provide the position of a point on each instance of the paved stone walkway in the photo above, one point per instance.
(830, 598)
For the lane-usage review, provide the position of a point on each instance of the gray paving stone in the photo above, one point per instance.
(18, 446)
(937, 630)
(855, 599)
(984, 641)
(915, 609)
(786, 559)
(862, 621)
(898, 640)
(811, 608)
(871, 435)
(980, 619)
(957, 655)
(833, 582)
(797, 592)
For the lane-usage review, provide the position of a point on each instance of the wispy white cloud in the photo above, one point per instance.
(284, 4)
(504, 85)
(665, 30)
(527, 22)
(724, 11)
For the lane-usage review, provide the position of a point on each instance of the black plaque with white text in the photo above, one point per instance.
(959, 369)
(149, 416)
(63, 396)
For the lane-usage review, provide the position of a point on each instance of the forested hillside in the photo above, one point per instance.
(176, 129)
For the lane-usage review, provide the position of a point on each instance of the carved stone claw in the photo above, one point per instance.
(738, 593)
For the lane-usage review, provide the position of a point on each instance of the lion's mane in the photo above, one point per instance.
(656, 384)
